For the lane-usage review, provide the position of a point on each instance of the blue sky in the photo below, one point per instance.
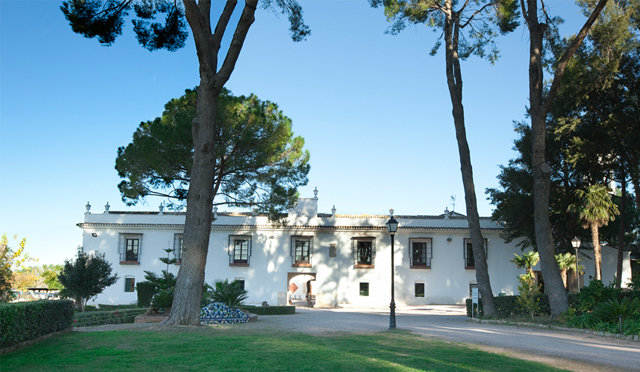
(373, 108)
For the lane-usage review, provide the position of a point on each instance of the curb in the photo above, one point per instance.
(635, 338)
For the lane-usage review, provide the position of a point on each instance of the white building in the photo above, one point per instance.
(339, 259)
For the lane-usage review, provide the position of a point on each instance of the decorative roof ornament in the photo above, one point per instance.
(391, 212)
(161, 208)
(215, 210)
(88, 207)
(106, 207)
(446, 213)
(315, 193)
(333, 210)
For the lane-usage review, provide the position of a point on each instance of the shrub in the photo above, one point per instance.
(229, 294)
(96, 318)
(583, 321)
(634, 284)
(111, 307)
(86, 308)
(25, 321)
(145, 292)
(594, 294)
(528, 289)
(509, 306)
(269, 310)
(615, 310)
(164, 298)
(85, 277)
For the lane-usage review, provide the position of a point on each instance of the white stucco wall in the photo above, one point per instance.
(337, 280)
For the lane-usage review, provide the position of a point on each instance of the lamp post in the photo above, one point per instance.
(392, 227)
(575, 242)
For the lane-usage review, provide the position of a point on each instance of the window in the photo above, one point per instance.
(420, 253)
(364, 251)
(132, 249)
(239, 250)
(419, 289)
(178, 241)
(129, 284)
(240, 282)
(129, 248)
(469, 261)
(301, 250)
(364, 289)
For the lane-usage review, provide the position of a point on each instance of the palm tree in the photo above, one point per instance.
(596, 210)
(528, 260)
(566, 262)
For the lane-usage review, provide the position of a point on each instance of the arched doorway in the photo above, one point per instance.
(300, 289)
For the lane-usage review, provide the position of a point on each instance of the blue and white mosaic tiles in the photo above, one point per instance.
(219, 313)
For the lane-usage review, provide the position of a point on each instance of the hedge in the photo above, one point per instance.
(96, 318)
(269, 310)
(24, 321)
(507, 306)
(145, 291)
(117, 307)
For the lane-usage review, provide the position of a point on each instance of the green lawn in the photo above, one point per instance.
(238, 348)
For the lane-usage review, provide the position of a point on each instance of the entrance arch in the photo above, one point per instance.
(300, 288)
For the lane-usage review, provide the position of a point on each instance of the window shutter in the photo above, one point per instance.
(464, 250)
(373, 251)
(292, 247)
(249, 252)
(177, 246)
(121, 247)
(139, 247)
(410, 252)
(429, 252)
(354, 248)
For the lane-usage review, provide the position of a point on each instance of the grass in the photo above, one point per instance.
(239, 348)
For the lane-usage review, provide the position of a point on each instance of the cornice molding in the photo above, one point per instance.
(280, 227)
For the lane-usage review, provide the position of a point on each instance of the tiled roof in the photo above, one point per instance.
(452, 215)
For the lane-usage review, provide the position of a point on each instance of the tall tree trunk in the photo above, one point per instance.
(454, 81)
(636, 187)
(623, 204)
(197, 230)
(554, 287)
(538, 109)
(597, 254)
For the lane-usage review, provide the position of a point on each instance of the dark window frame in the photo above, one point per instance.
(426, 253)
(132, 249)
(364, 289)
(417, 291)
(131, 286)
(241, 283)
(129, 248)
(360, 248)
(467, 251)
(241, 258)
(298, 255)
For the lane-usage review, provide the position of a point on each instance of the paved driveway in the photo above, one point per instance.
(570, 350)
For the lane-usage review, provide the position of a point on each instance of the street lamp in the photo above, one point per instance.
(575, 242)
(392, 227)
